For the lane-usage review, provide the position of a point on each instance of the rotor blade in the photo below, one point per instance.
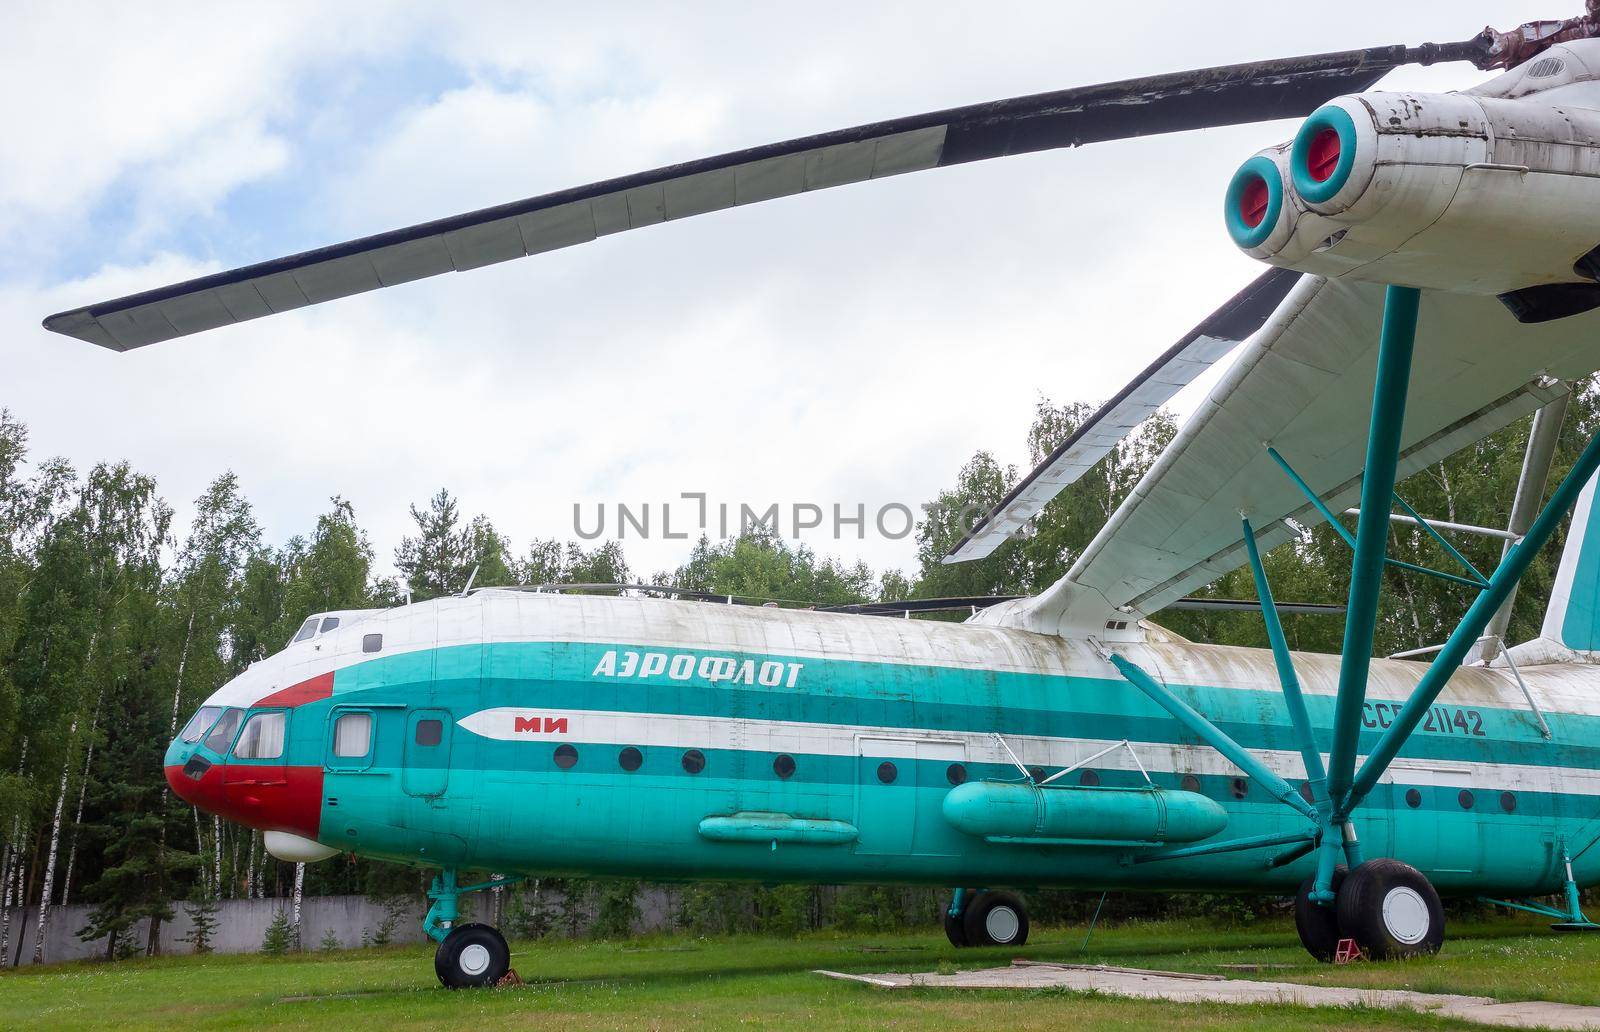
(1227, 95)
(1199, 349)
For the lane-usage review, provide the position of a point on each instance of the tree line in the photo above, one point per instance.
(115, 623)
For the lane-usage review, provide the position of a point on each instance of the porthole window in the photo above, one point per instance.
(1189, 783)
(1239, 787)
(566, 757)
(630, 758)
(372, 643)
(887, 772)
(1465, 799)
(1413, 798)
(694, 761)
(1089, 778)
(430, 732)
(956, 773)
(783, 766)
(1036, 773)
(1508, 802)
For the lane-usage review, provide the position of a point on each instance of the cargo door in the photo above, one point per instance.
(426, 768)
(886, 780)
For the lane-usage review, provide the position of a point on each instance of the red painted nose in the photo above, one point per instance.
(271, 798)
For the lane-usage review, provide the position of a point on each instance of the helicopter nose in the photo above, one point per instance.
(196, 780)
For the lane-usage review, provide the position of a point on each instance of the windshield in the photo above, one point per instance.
(306, 630)
(200, 723)
(222, 735)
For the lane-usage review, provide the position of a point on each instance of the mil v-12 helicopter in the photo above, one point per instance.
(1435, 266)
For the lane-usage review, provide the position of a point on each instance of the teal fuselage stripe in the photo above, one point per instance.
(506, 805)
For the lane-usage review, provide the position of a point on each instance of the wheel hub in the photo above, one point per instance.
(1002, 924)
(1405, 915)
(474, 960)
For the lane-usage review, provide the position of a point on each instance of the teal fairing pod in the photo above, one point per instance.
(1021, 811)
(1253, 203)
(1323, 154)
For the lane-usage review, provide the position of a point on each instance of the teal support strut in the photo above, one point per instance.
(1349, 538)
(1395, 347)
(1213, 735)
(1477, 578)
(1231, 846)
(1483, 608)
(1316, 774)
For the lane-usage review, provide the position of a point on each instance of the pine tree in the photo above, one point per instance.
(330, 941)
(202, 908)
(280, 935)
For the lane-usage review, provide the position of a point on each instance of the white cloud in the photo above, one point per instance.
(854, 346)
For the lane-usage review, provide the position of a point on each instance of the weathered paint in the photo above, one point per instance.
(517, 676)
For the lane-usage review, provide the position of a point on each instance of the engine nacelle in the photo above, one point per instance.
(1470, 193)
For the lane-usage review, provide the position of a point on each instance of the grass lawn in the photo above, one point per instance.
(679, 982)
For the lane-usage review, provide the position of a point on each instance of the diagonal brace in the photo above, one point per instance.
(1316, 774)
(1214, 736)
(1349, 538)
(1450, 657)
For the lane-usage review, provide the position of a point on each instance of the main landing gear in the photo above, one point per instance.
(471, 955)
(1388, 908)
(986, 918)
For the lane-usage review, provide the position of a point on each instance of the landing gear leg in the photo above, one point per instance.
(1318, 923)
(470, 955)
(954, 930)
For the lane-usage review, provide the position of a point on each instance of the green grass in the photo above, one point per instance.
(678, 982)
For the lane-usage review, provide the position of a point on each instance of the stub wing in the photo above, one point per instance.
(1303, 387)
(1178, 366)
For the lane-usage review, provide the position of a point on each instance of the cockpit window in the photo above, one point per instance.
(329, 623)
(262, 737)
(200, 723)
(306, 630)
(222, 732)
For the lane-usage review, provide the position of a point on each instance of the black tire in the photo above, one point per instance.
(472, 956)
(995, 919)
(1318, 925)
(954, 930)
(1391, 910)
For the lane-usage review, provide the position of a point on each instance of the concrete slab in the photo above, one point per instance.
(1184, 987)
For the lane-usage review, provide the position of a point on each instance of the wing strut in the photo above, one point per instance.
(1332, 805)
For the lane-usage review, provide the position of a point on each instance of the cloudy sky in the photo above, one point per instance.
(855, 346)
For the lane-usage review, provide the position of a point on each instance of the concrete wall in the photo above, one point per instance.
(242, 923)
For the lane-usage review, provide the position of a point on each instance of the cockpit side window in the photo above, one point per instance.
(306, 630)
(222, 732)
(200, 723)
(262, 737)
(328, 624)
